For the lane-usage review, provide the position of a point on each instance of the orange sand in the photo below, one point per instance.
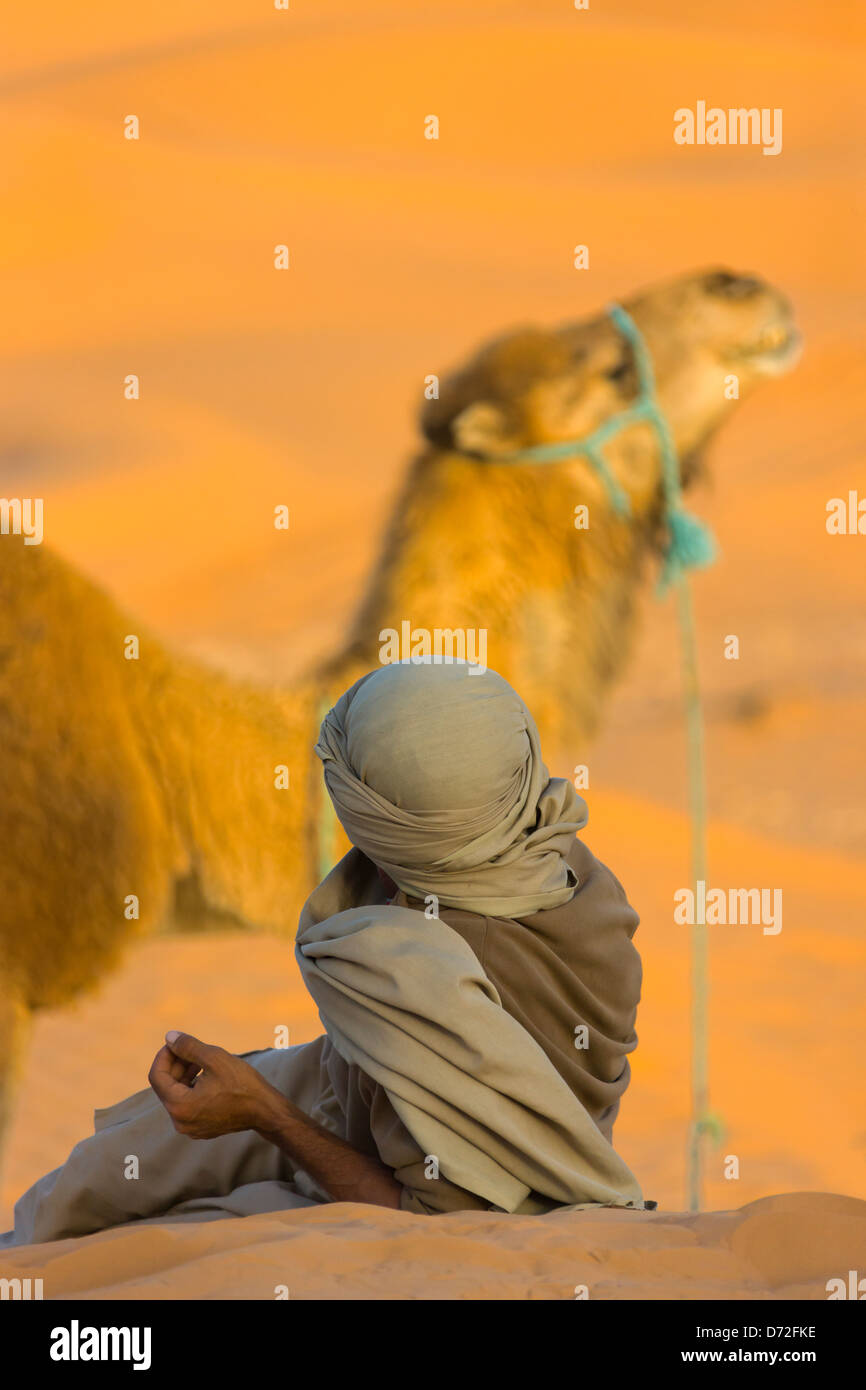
(258, 388)
(781, 1247)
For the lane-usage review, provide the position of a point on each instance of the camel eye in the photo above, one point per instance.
(622, 374)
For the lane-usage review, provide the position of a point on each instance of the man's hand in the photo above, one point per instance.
(208, 1091)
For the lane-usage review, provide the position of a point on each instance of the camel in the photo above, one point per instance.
(152, 794)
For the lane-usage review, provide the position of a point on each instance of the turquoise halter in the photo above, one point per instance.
(690, 543)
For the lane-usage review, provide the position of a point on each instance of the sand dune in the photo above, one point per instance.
(779, 1248)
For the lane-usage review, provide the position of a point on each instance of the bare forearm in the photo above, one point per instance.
(345, 1173)
(209, 1092)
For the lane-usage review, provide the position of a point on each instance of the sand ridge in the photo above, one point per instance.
(784, 1247)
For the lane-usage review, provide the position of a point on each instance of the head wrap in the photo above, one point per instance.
(435, 772)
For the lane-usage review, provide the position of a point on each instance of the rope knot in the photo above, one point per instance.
(690, 545)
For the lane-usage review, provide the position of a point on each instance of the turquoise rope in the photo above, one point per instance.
(690, 544)
(702, 1123)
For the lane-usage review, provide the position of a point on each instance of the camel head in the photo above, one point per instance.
(471, 522)
(712, 337)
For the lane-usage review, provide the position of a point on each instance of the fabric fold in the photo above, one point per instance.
(404, 998)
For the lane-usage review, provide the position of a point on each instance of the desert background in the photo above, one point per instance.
(156, 257)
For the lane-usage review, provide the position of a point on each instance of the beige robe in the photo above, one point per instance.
(449, 1053)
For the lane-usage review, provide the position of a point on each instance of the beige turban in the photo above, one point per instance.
(435, 772)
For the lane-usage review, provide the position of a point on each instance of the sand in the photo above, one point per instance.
(155, 257)
(779, 1248)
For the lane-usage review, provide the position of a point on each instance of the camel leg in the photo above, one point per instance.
(15, 1027)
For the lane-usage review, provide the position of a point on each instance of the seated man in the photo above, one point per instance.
(474, 971)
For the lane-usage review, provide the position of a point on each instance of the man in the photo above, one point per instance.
(474, 970)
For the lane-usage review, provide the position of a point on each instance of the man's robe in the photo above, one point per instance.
(482, 1059)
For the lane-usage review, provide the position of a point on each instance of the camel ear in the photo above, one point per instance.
(483, 428)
